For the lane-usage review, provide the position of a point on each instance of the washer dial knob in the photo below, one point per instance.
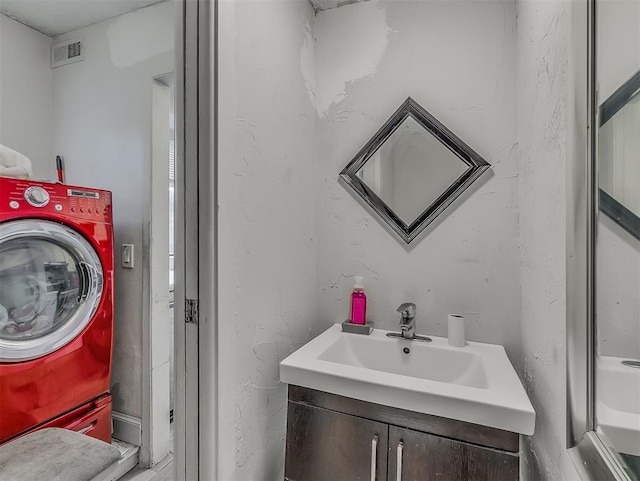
(36, 196)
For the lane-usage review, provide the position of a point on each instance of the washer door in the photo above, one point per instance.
(51, 283)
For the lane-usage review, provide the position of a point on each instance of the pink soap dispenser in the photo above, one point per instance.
(358, 302)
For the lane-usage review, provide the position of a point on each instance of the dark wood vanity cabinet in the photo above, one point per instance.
(329, 446)
(331, 438)
(427, 457)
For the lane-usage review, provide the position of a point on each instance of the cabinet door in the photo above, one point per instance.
(325, 445)
(416, 456)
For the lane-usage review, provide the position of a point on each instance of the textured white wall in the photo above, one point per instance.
(266, 241)
(457, 59)
(26, 104)
(102, 108)
(544, 33)
(500, 264)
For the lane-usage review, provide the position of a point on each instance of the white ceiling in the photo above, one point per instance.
(55, 17)
(327, 4)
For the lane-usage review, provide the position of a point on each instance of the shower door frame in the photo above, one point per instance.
(196, 234)
(589, 453)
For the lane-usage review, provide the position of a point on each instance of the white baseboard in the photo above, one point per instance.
(127, 428)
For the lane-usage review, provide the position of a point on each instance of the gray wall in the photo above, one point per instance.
(26, 102)
(102, 111)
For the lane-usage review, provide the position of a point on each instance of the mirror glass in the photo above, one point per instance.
(619, 154)
(617, 249)
(411, 170)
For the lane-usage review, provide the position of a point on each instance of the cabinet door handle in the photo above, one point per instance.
(399, 461)
(374, 456)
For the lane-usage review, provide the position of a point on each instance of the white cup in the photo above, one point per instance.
(456, 330)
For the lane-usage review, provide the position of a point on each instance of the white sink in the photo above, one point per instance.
(618, 403)
(476, 383)
(379, 353)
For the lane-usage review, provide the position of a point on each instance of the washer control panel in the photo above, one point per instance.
(44, 199)
(36, 196)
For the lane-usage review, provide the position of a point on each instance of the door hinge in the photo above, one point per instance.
(191, 311)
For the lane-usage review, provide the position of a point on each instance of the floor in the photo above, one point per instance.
(128, 460)
(162, 472)
(127, 469)
(126, 449)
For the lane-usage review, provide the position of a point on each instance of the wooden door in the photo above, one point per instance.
(424, 457)
(324, 445)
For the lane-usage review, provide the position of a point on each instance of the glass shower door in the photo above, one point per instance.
(617, 279)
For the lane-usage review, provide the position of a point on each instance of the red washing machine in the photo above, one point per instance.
(56, 308)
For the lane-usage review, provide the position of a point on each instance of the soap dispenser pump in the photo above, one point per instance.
(358, 302)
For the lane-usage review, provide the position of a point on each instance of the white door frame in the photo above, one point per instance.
(195, 256)
(207, 240)
(156, 345)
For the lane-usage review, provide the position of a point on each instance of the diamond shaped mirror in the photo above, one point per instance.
(411, 170)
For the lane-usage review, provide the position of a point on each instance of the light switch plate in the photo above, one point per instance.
(127, 256)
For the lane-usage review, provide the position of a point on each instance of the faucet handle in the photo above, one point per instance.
(408, 310)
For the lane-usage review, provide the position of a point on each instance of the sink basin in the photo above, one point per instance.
(618, 403)
(476, 383)
(453, 366)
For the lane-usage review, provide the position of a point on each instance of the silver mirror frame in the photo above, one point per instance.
(476, 166)
(593, 459)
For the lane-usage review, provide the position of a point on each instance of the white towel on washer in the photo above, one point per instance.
(14, 164)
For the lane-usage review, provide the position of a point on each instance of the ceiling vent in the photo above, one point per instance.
(67, 52)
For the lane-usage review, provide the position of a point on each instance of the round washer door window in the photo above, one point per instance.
(51, 282)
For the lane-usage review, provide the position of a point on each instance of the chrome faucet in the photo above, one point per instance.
(407, 312)
(407, 319)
